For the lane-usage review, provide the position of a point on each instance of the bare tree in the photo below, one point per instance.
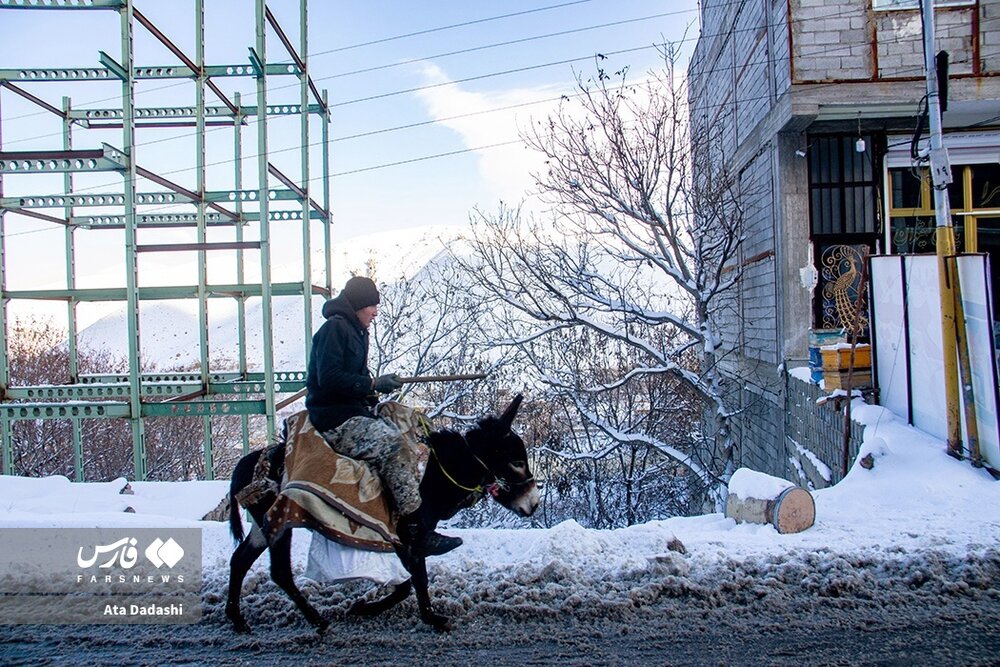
(174, 446)
(634, 269)
(430, 323)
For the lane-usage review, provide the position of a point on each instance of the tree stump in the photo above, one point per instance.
(758, 498)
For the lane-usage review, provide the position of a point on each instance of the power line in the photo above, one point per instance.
(418, 159)
(491, 75)
(425, 157)
(355, 46)
(447, 27)
(512, 42)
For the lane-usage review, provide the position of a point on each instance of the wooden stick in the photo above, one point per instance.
(442, 378)
(291, 399)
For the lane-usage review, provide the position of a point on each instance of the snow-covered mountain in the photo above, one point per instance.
(168, 330)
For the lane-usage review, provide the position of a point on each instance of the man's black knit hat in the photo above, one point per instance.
(361, 292)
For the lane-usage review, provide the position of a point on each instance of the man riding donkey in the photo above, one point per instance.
(340, 397)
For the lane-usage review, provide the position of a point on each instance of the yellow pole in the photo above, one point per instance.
(945, 237)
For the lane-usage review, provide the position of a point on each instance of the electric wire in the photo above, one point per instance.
(684, 40)
(101, 187)
(834, 48)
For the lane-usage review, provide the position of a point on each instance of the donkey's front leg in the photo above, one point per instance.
(417, 566)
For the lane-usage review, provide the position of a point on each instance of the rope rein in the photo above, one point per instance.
(477, 489)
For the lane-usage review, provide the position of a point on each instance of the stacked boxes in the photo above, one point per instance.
(818, 338)
(837, 366)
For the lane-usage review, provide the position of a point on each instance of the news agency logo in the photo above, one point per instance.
(124, 553)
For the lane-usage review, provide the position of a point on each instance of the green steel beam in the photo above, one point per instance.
(327, 241)
(111, 69)
(304, 90)
(149, 221)
(157, 293)
(175, 113)
(131, 260)
(260, 51)
(92, 390)
(241, 303)
(203, 408)
(61, 4)
(71, 320)
(107, 158)
(116, 410)
(31, 411)
(164, 220)
(6, 441)
(156, 378)
(159, 198)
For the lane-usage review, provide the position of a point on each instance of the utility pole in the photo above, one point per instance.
(952, 315)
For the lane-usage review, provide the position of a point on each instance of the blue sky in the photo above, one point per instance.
(344, 39)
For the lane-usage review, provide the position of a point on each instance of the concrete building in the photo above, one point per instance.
(818, 102)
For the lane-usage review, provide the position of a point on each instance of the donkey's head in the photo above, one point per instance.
(504, 453)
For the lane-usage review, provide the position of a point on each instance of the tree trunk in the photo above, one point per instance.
(758, 498)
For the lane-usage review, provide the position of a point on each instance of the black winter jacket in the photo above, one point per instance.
(339, 384)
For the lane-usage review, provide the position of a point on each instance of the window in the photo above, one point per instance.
(974, 198)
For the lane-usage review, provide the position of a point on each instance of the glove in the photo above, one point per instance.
(385, 384)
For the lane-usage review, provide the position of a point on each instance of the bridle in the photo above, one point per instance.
(498, 484)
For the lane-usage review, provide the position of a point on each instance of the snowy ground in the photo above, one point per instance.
(902, 566)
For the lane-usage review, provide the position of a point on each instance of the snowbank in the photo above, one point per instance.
(915, 500)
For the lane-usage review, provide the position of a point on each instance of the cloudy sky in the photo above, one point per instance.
(428, 102)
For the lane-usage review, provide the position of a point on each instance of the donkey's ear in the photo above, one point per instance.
(507, 418)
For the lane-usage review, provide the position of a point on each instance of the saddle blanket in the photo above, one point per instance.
(336, 496)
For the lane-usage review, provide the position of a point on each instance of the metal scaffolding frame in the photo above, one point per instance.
(205, 393)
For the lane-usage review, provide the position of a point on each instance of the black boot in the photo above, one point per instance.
(416, 534)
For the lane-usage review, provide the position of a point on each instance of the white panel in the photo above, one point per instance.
(890, 339)
(926, 363)
(963, 148)
(973, 271)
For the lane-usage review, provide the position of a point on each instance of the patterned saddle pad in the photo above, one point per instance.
(337, 496)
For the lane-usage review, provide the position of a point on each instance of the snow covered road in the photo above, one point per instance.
(819, 609)
(901, 568)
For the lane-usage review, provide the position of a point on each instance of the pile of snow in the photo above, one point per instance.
(916, 513)
(56, 501)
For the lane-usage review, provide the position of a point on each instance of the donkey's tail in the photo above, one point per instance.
(235, 522)
(242, 478)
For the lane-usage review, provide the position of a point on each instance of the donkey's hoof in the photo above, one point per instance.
(322, 626)
(241, 627)
(439, 623)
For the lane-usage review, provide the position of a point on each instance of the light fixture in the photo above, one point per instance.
(859, 145)
(800, 152)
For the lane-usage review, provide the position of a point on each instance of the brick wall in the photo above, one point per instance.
(848, 41)
(901, 45)
(831, 41)
(989, 38)
(758, 285)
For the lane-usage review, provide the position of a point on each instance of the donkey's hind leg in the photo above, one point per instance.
(281, 572)
(364, 608)
(246, 554)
